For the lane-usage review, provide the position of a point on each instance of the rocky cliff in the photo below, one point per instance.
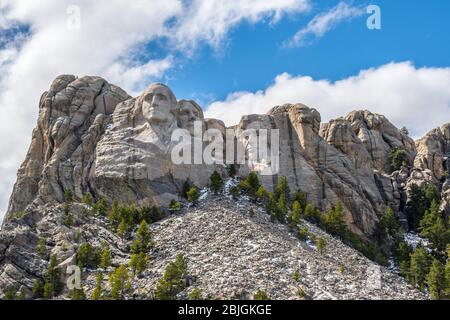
(93, 139)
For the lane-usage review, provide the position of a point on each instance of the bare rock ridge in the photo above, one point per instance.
(92, 137)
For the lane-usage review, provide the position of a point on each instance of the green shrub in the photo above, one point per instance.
(260, 295)
(398, 157)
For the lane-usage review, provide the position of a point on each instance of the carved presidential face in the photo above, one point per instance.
(188, 112)
(158, 104)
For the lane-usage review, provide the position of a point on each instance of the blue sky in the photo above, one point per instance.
(231, 56)
(411, 31)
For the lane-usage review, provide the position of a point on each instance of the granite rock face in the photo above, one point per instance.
(93, 138)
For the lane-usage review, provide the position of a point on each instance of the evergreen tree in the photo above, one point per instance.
(419, 266)
(447, 276)
(138, 263)
(186, 187)
(309, 213)
(195, 294)
(282, 188)
(431, 194)
(97, 293)
(231, 169)
(261, 194)
(88, 256)
(303, 234)
(105, 259)
(10, 294)
(295, 215)
(334, 221)
(193, 195)
(281, 208)
(100, 207)
(234, 192)
(398, 157)
(21, 295)
(216, 183)
(172, 281)
(87, 199)
(49, 290)
(387, 226)
(321, 243)
(436, 280)
(404, 131)
(174, 205)
(416, 206)
(143, 241)
(78, 294)
(120, 283)
(402, 255)
(38, 290)
(300, 197)
(42, 248)
(68, 196)
(260, 295)
(254, 183)
(434, 228)
(271, 205)
(53, 285)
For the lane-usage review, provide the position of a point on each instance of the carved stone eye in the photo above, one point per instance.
(161, 97)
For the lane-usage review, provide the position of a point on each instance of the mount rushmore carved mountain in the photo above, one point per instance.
(94, 143)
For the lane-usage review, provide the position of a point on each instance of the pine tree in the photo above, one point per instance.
(186, 187)
(231, 169)
(172, 281)
(419, 266)
(87, 199)
(138, 263)
(193, 195)
(321, 243)
(282, 188)
(271, 205)
(78, 294)
(234, 192)
(120, 283)
(97, 293)
(174, 205)
(49, 290)
(195, 294)
(38, 289)
(53, 285)
(436, 280)
(295, 214)
(21, 295)
(68, 196)
(300, 197)
(261, 194)
(105, 259)
(42, 248)
(398, 157)
(447, 275)
(433, 227)
(143, 241)
(123, 229)
(416, 206)
(10, 294)
(303, 234)
(100, 207)
(309, 212)
(216, 182)
(334, 221)
(260, 295)
(281, 208)
(387, 226)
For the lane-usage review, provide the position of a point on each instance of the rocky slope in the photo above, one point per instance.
(93, 138)
(230, 254)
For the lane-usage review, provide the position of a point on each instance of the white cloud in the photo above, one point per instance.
(417, 98)
(210, 20)
(107, 44)
(324, 22)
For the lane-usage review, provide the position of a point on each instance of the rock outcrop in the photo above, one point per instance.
(93, 138)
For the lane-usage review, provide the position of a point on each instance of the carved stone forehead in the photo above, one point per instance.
(185, 104)
(159, 88)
